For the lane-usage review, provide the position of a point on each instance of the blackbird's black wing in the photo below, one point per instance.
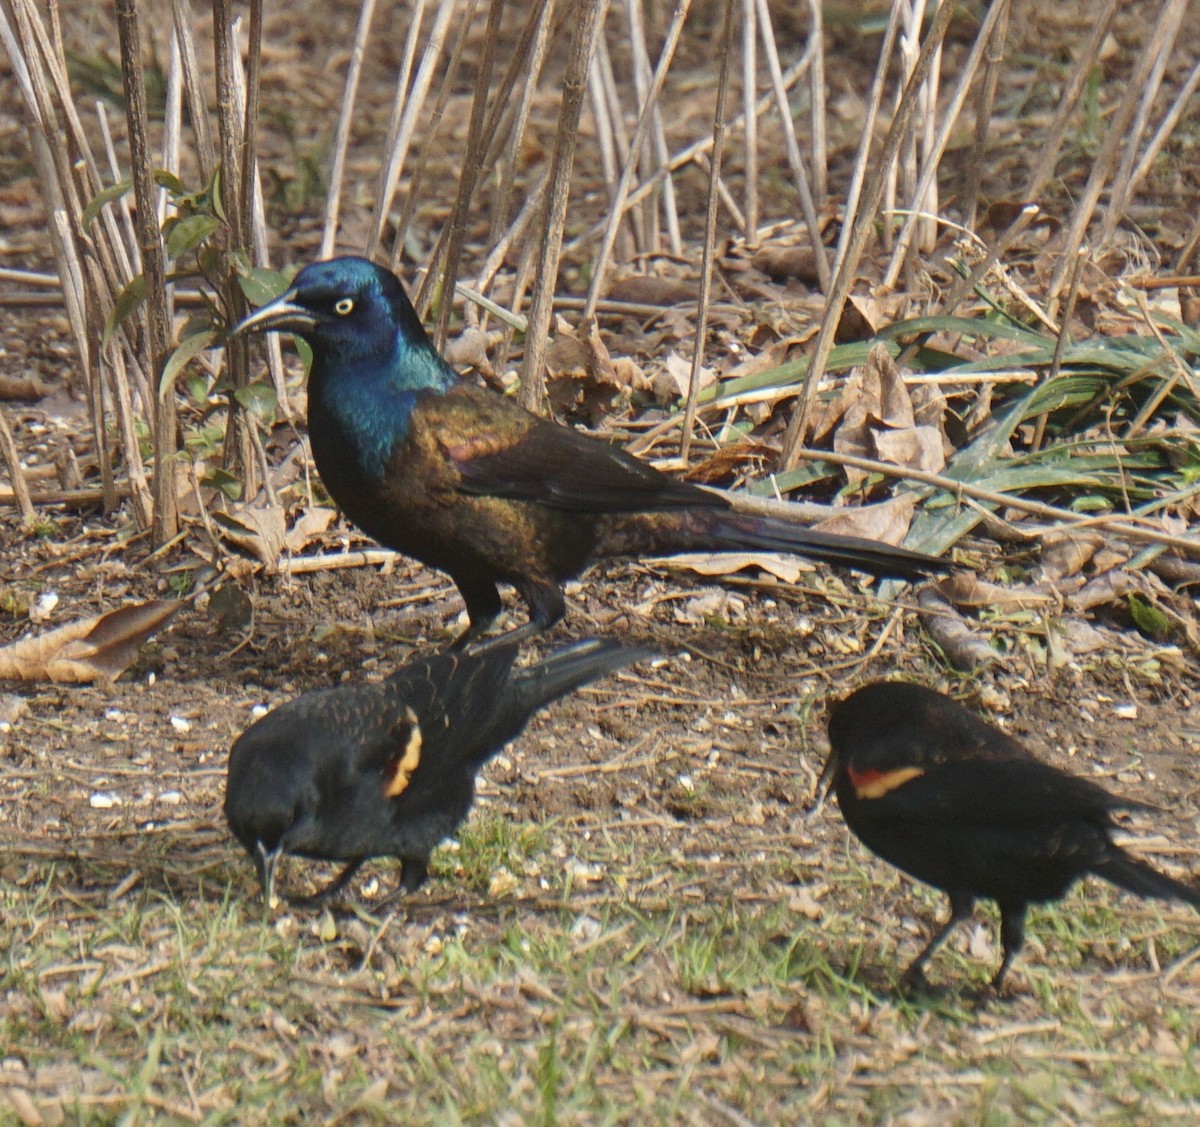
(512, 453)
(985, 791)
(450, 702)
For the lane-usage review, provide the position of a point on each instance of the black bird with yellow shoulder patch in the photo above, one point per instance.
(466, 480)
(930, 787)
(388, 768)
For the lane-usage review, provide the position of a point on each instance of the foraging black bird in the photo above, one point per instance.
(931, 788)
(388, 768)
(466, 480)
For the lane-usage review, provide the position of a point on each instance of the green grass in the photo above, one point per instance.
(579, 1003)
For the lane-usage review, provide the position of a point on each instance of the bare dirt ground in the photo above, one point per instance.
(642, 921)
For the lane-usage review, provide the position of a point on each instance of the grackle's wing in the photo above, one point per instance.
(512, 453)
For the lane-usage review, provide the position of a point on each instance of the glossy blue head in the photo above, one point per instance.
(358, 320)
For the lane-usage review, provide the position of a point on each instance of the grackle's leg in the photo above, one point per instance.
(483, 607)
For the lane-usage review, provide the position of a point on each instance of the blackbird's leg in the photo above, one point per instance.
(1012, 939)
(331, 889)
(414, 874)
(961, 906)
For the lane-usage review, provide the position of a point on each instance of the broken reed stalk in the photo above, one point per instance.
(12, 459)
(589, 20)
(710, 232)
(850, 252)
(640, 134)
(165, 521)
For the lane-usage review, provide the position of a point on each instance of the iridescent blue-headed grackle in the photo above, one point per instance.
(464, 479)
(388, 768)
(933, 789)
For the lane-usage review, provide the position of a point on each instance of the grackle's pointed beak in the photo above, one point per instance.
(283, 315)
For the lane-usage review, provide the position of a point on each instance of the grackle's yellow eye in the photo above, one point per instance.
(343, 306)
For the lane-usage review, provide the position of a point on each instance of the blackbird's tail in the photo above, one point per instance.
(1135, 876)
(723, 530)
(568, 668)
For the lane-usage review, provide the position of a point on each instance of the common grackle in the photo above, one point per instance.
(933, 789)
(464, 479)
(388, 768)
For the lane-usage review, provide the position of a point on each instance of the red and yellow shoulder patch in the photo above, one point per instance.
(875, 784)
(408, 760)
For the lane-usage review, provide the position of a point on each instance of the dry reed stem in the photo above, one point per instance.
(468, 178)
(12, 459)
(710, 231)
(589, 23)
(658, 155)
(937, 143)
(1105, 159)
(405, 110)
(641, 132)
(983, 111)
(851, 251)
(341, 136)
(1159, 52)
(165, 520)
(818, 111)
(792, 146)
(750, 120)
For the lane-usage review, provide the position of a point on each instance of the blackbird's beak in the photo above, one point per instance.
(283, 315)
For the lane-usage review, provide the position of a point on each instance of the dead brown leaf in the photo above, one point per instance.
(258, 528)
(887, 521)
(99, 648)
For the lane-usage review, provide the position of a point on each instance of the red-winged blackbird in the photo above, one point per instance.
(933, 789)
(465, 480)
(388, 769)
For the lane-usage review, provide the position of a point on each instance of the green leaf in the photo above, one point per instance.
(168, 180)
(258, 399)
(1148, 618)
(127, 301)
(186, 350)
(104, 196)
(189, 233)
(261, 285)
(225, 482)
